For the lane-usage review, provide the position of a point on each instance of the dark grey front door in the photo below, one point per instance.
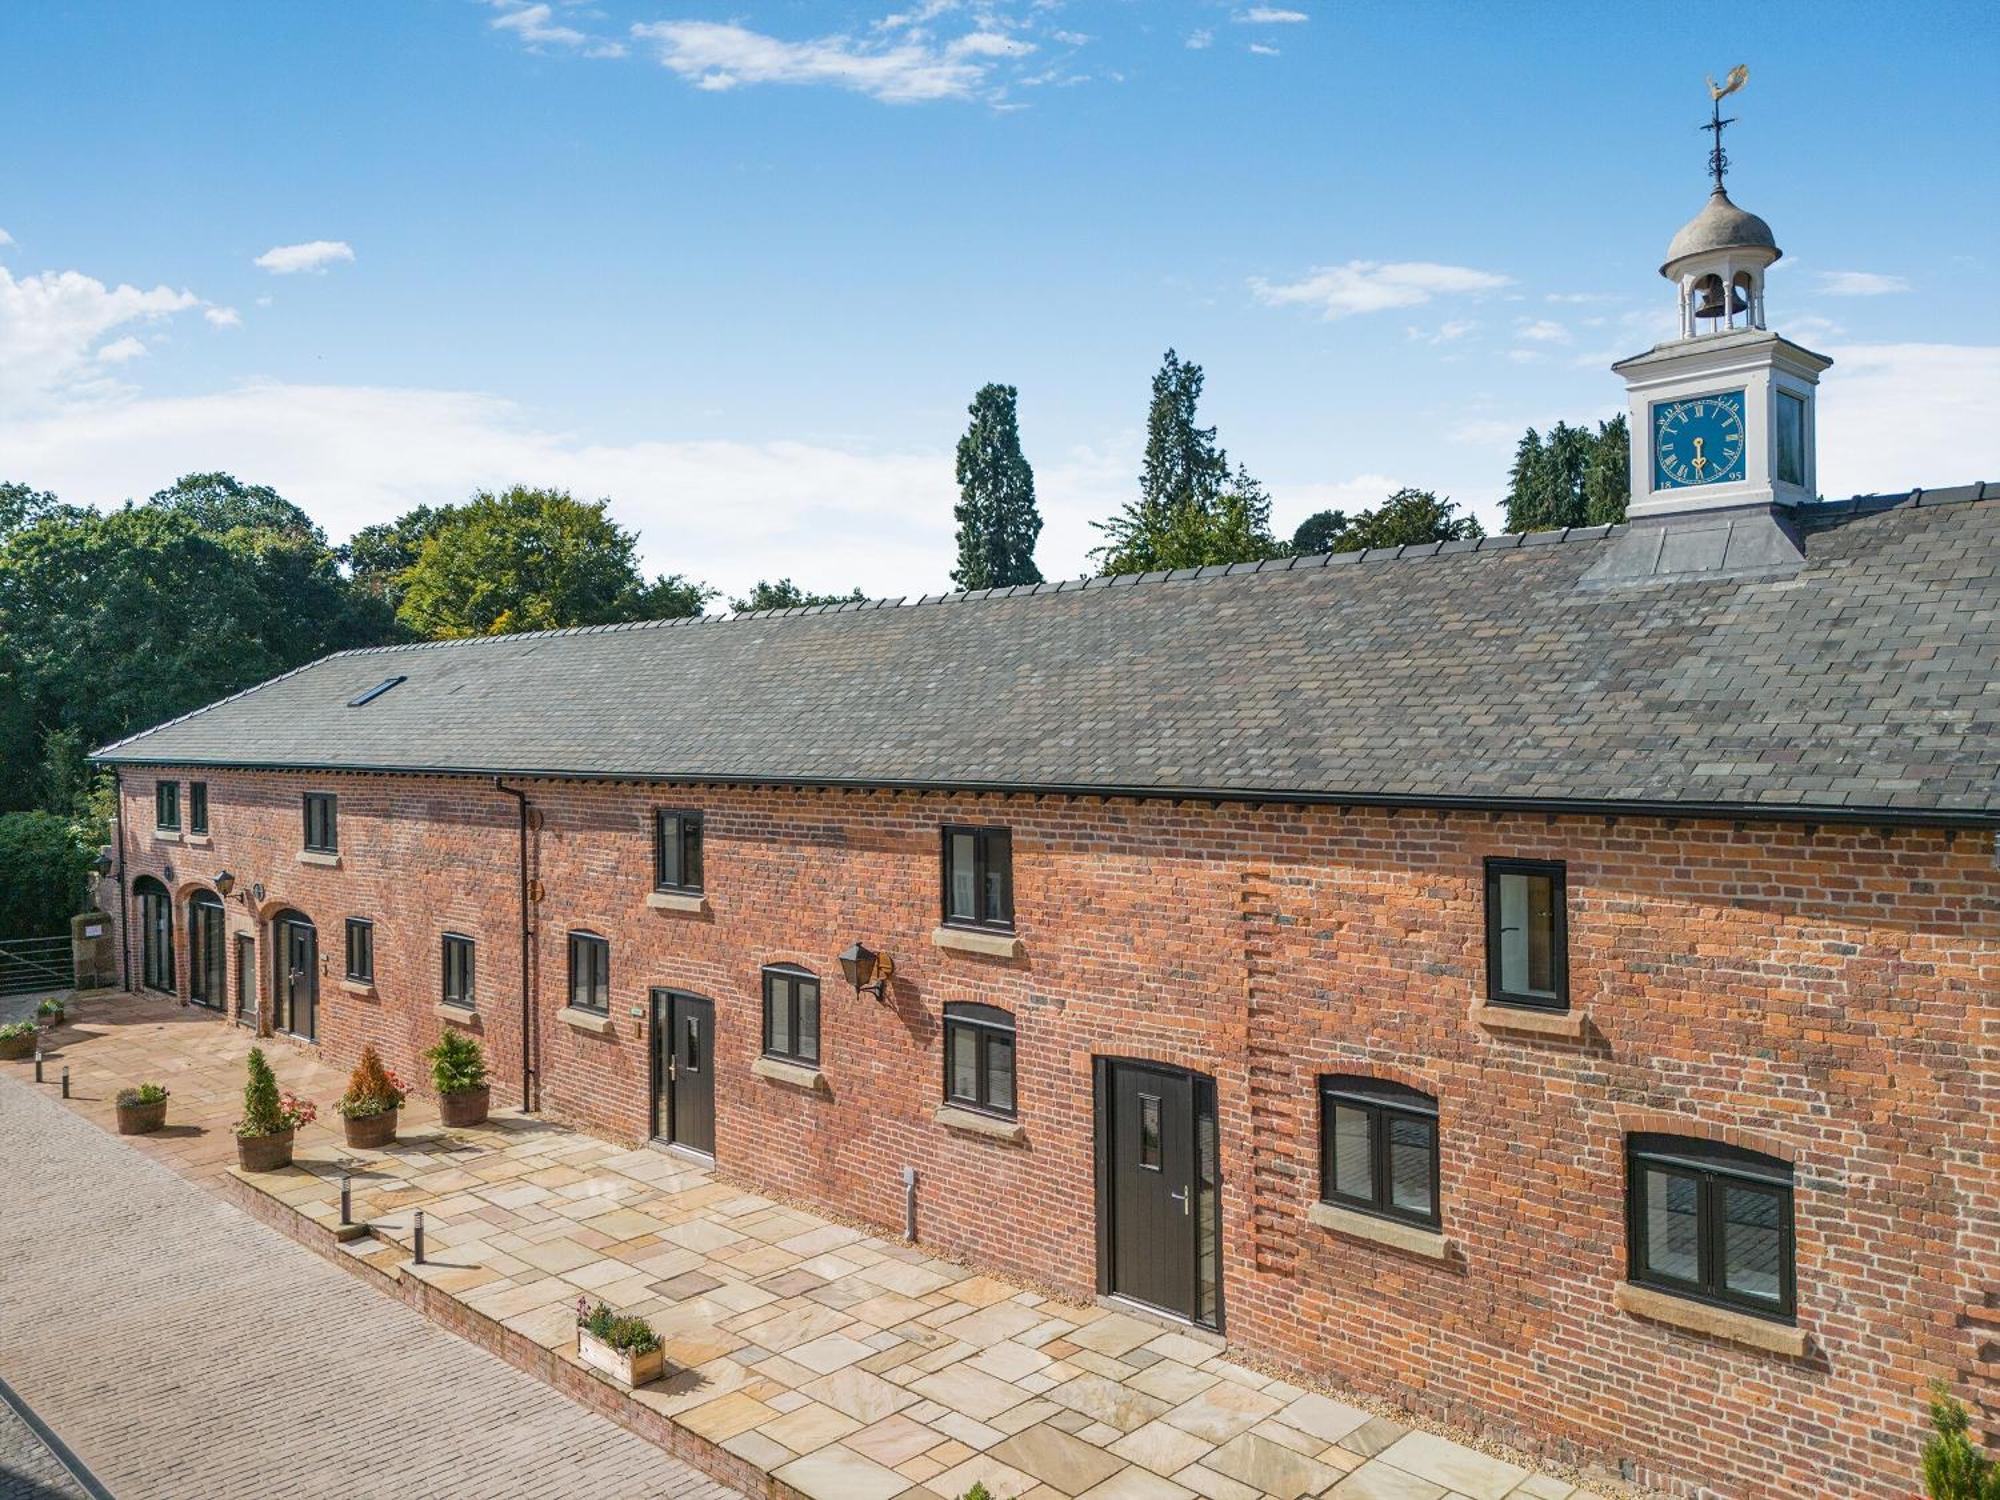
(1148, 1208)
(298, 978)
(246, 981)
(208, 955)
(684, 1070)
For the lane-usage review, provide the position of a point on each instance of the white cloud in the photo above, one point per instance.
(1198, 40)
(1271, 15)
(1541, 331)
(715, 56)
(118, 351)
(1362, 286)
(535, 27)
(1860, 284)
(1070, 38)
(223, 317)
(1258, 49)
(6, 238)
(1580, 297)
(51, 323)
(313, 255)
(1892, 416)
(1448, 332)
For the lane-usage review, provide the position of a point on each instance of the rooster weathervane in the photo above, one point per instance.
(1718, 159)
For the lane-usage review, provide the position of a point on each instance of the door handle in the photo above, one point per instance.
(1181, 1197)
(673, 1068)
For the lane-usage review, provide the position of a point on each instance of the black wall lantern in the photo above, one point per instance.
(867, 970)
(224, 882)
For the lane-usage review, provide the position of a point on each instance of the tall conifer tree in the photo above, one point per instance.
(997, 518)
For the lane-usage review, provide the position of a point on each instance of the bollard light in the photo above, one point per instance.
(346, 1200)
(420, 1237)
(38, 1065)
(65, 1082)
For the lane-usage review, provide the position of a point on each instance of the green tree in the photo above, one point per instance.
(1319, 532)
(533, 559)
(1193, 508)
(1573, 477)
(45, 872)
(997, 519)
(784, 594)
(221, 503)
(20, 505)
(378, 556)
(1408, 518)
(1954, 1469)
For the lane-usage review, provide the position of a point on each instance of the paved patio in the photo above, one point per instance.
(846, 1365)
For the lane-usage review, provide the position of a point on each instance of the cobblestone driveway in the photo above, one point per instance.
(182, 1349)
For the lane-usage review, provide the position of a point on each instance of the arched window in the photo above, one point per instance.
(1378, 1145)
(156, 934)
(1711, 1222)
(979, 1058)
(791, 1014)
(208, 952)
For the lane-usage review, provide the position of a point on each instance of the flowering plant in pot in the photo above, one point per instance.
(458, 1072)
(52, 1010)
(368, 1108)
(143, 1110)
(270, 1119)
(17, 1040)
(623, 1346)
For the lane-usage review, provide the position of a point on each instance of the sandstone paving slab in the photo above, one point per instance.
(1270, 1468)
(839, 1473)
(1381, 1482)
(1454, 1466)
(1057, 1459)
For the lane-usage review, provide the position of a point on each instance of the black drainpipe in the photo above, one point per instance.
(528, 1078)
(124, 921)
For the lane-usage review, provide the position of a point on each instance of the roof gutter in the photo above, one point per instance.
(1746, 812)
(529, 1080)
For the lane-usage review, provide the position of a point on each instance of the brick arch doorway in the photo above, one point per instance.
(295, 975)
(156, 934)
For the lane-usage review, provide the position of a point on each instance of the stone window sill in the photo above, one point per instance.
(688, 901)
(197, 840)
(319, 857)
(586, 1020)
(362, 987)
(972, 1122)
(794, 1075)
(987, 944)
(458, 1015)
(1562, 1023)
(1717, 1322)
(1425, 1242)
(167, 835)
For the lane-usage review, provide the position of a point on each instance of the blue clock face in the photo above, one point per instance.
(1698, 440)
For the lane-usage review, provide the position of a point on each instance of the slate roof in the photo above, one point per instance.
(1863, 680)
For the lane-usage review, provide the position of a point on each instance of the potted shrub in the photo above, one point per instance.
(270, 1119)
(624, 1347)
(17, 1040)
(52, 1010)
(143, 1110)
(458, 1072)
(368, 1108)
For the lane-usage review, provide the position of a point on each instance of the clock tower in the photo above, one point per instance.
(1722, 417)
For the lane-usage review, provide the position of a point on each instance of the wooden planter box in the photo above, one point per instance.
(466, 1107)
(142, 1119)
(14, 1048)
(264, 1153)
(370, 1131)
(633, 1369)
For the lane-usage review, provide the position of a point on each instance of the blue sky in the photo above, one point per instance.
(739, 266)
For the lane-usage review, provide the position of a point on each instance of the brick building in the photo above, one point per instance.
(1548, 981)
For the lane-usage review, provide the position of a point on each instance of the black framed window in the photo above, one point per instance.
(1527, 934)
(791, 1014)
(677, 851)
(197, 807)
(322, 826)
(979, 877)
(590, 972)
(458, 955)
(1378, 1146)
(1710, 1221)
(360, 948)
(167, 806)
(979, 1058)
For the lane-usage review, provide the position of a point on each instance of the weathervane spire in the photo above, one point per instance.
(1718, 159)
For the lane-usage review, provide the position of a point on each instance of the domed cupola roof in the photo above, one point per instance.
(1720, 226)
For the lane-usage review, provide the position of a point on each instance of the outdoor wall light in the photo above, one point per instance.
(224, 882)
(868, 970)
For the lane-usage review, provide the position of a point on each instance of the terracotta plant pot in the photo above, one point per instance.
(467, 1107)
(143, 1119)
(14, 1048)
(370, 1131)
(633, 1369)
(264, 1153)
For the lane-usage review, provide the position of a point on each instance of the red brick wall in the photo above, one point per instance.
(1824, 995)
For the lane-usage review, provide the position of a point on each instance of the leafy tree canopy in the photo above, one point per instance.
(1194, 509)
(784, 594)
(997, 519)
(220, 503)
(1572, 477)
(1410, 517)
(20, 504)
(533, 559)
(45, 872)
(378, 556)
